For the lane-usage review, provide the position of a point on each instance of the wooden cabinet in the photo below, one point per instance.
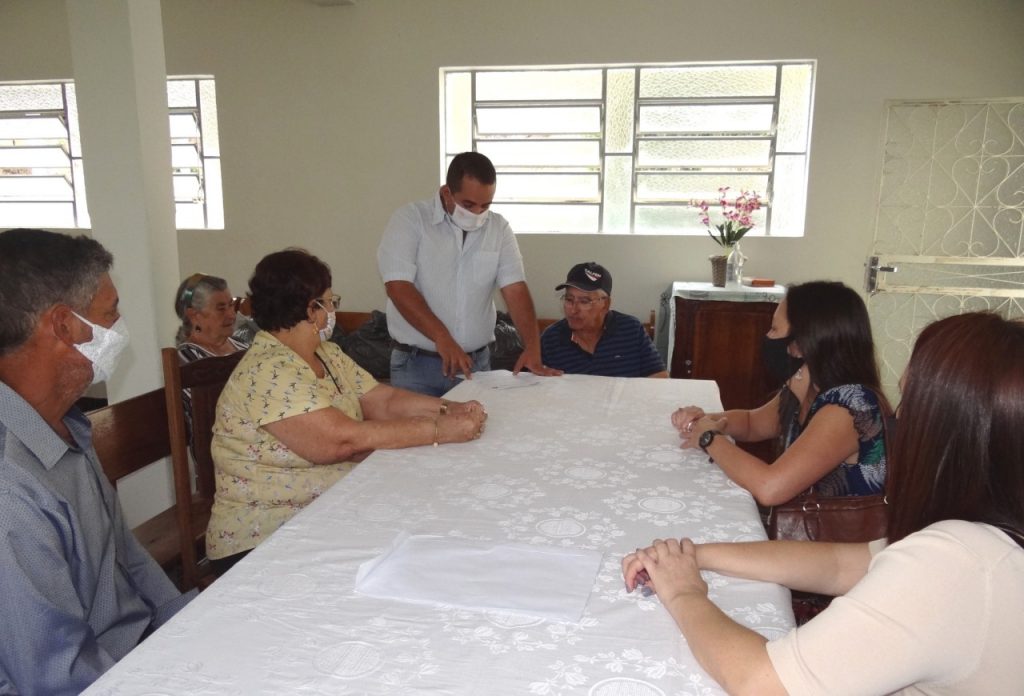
(721, 340)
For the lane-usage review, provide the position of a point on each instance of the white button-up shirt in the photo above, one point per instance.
(423, 246)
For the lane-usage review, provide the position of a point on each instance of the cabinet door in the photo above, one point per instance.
(722, 341)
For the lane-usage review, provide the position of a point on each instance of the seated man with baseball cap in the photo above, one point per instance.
(593, 339)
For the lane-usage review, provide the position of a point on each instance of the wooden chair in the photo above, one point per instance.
(350, 321)
(129, 436)
(194, 490)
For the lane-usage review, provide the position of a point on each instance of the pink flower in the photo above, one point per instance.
(736, 214)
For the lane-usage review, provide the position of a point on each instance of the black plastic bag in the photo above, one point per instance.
(369, 345)
(507, 346)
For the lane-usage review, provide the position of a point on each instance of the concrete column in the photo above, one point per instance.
(117, 50)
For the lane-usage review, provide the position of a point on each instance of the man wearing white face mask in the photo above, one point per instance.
(79, 590)
(441, 260)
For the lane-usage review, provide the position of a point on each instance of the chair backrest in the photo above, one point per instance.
(204, 379)
(131, 434)
(128, 436)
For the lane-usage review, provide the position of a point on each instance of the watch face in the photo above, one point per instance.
(705, 438)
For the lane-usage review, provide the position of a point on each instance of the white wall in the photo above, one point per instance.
(329, 116)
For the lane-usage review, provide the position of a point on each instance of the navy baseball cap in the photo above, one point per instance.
(588, 276)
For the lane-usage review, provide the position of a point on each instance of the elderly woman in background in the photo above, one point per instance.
(935, 608)
(297, 412)
(830, 412)
(207, 312)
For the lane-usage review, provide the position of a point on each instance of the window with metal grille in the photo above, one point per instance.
(42, 174)
(629, 149)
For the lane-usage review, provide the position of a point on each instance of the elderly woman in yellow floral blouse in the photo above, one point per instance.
(297, 412)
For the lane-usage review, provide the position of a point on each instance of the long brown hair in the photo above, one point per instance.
(959, 448)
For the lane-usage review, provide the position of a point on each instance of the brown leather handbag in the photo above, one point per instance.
(810, 517)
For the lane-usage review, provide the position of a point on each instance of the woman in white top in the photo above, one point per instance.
(935, 610)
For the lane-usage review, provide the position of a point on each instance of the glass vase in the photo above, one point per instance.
(734, 267)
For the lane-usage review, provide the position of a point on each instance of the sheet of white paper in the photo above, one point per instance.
(504, 379)
(543, 581)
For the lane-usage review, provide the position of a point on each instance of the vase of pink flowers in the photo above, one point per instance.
(727, 267)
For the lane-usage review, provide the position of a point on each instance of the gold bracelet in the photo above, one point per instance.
(435, 432)
(444, 407)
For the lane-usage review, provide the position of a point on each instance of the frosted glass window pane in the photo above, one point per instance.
(521, 85)
(619, 115)
(687, 187)
(36, 188)
(565, 187)
(36, 214)
(214, 195)
(184, 126)
(675, 219)
(705, 153)
(712, 81)
(458, 113)
(563, 219)
(543, 153)
(30, 97)
(81, 201)
(794, 106)
(186, 188)
(208, 114)
(73, 129)
(706, 118)
(789, 202)
(34, 157)
(40, 128)
(185, 156)
(618, 190)
(181, 93)
(189, 216)
(570, 119)
(682, 220)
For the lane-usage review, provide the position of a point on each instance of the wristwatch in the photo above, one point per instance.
(706, 438)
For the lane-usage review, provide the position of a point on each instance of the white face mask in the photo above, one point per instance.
(467, 221)
(332, 320)
(104, 350)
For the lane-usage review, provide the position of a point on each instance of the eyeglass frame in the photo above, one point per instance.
(586, 302)
(335, 303)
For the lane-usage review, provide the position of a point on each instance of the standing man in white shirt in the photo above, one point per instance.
(441, 260)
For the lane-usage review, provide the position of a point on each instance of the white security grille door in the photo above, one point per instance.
(949, 232)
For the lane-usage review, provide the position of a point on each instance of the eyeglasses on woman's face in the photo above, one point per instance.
(334, 301)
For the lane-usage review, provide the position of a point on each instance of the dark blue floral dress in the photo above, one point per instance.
(867, 475)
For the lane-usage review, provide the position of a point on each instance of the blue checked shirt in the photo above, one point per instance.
(77, 591)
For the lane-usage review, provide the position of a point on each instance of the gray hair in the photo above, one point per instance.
(39, 269)
(194, 292)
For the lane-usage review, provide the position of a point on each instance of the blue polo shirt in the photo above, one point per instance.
(624, 349)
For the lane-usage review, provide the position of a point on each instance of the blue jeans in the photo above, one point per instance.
(422, 373)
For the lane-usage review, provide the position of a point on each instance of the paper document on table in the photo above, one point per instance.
(543, 581)
(503, 379)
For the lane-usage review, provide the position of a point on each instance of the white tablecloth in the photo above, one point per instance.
(577, 462)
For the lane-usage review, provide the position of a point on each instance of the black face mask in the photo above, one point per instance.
(777, 360)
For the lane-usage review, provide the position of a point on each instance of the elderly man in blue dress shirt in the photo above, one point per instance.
(79, 592)
(594, 339)
(441, 260)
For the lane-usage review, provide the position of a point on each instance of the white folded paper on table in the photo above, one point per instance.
(543, 581)
(504, 379)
